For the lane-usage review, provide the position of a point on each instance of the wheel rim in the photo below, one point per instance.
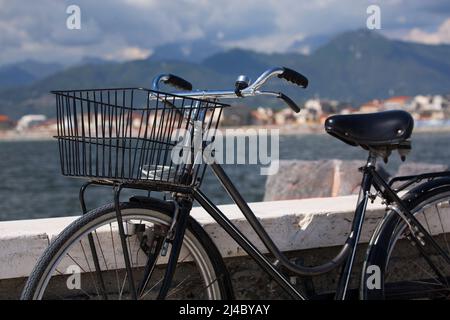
(192, 253)
(425, 282)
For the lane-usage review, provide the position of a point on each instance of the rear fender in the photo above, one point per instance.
(379, 243)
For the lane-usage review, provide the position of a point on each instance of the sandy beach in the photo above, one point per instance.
(13, 135)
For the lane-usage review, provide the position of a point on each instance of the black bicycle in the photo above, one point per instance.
(150, 248)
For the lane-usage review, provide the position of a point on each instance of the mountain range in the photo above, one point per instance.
(354, 67)
(26, 72)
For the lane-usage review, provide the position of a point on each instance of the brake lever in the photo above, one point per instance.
(289, 102)
(283, 97)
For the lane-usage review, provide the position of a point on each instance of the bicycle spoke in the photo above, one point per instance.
(115, 259)
(59, 272)
(415, 289)
(150, 265)
(428, 275)
(74, 261)
(134, 247)
(89, 267)
(123, 286)
(98, 270)
(101, 250)
(442, 226)
(174, 290)
(425, 256)
(162, 278)
(85, 257)
(191, 279)
(437, 273)
(208, 285)
(136, 241)
(129, 246)
(149, 290)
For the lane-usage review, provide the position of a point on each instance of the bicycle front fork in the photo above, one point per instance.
(174, 238)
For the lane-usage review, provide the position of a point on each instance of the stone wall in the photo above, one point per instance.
(300, 179)
(309, 229)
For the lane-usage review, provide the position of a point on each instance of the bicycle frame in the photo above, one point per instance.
(345, 257)
(346, 254)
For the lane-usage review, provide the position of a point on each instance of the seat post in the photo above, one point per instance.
(371, 159)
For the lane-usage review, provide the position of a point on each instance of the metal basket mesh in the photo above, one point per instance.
(134, 135)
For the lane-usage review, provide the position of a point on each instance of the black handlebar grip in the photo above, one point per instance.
(294, 77)
(289, 102)
(178, 82)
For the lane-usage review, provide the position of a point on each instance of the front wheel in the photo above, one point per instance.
(397, 266)
(67, 269)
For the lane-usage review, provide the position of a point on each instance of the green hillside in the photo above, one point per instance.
(354, 67)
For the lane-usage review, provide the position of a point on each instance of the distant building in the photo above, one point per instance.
(262, 116)
(236, 116)
(29, 120)
(347, 110)
(313, 110)
(371, 106)
(429, 107)
(428, 103)
(50, 125)
(5, 122)
(399, 102)
(285, 116)
(331, 106)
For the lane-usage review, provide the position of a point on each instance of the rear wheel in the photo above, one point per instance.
(67, 269)
(407, 269)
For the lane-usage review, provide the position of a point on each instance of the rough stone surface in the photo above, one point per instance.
(412, 168)
(311, 230)
(293, 225)
(248, 279)
(251, 282)
(299, 179)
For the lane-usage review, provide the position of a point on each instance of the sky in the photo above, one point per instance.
(131, 29)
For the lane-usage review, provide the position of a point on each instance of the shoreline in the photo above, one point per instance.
(11, 136)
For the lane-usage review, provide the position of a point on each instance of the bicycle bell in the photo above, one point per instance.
(241, 83)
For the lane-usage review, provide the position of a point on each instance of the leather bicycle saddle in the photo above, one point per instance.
(371, 130)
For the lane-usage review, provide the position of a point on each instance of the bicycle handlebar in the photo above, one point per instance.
(249, 91)
(294, 77)
(173, 80)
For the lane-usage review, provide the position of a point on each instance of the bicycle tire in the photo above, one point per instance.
(33, 286)
(386, 237)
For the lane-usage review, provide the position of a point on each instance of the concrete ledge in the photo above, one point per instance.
(293, 224)
(310, 229)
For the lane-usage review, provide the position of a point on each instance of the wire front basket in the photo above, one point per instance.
(134, 135)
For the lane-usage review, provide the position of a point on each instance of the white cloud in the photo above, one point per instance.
(129, 53)
(141, 3)
(267, 43)
(441, 35)
(132, 28)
